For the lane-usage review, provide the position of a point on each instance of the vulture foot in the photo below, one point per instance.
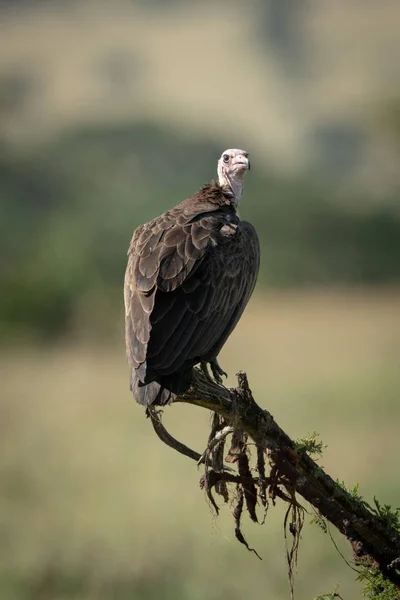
(216, 371)
(204, 368)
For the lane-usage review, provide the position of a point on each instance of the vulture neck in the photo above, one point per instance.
(232, 184)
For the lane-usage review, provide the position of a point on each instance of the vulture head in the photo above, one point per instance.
(232, 167)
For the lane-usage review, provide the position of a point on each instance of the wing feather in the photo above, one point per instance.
(192, 251)
(158, 264)
(163, 331)
(173, 237)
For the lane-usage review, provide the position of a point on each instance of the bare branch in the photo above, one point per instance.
(155, 418)
(374, 542)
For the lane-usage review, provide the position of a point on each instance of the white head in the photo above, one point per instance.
(232, 167)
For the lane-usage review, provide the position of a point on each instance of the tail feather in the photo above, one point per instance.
(160, 393)
(151, 393)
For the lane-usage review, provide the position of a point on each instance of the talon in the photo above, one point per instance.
(217, 371)
(204, 368)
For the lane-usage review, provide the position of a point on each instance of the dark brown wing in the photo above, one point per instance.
(162, 255)
(188, 281)
(240, 277)
(208, 305)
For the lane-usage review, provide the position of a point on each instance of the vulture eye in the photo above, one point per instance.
(225, 158)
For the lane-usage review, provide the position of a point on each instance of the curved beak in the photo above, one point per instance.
(241, 159)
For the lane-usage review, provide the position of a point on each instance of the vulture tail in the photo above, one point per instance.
(161, 393)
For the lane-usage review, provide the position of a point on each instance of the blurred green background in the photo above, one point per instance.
(110, 113)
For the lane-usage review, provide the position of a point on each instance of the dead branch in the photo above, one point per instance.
(155, 418)
(374, 542)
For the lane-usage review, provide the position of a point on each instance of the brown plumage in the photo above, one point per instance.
(190, 274)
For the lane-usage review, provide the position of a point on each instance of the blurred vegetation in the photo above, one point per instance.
(92, 507)
(68, 210)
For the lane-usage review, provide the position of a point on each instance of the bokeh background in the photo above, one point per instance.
(110, 113)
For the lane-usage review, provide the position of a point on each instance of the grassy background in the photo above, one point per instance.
(110, 113)
(93, 506)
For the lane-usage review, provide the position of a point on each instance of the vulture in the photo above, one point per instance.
(189, 276)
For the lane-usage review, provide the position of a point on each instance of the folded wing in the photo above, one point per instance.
(188, 280)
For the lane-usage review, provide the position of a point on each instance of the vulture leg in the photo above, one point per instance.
(217, 371)
(204, 367)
